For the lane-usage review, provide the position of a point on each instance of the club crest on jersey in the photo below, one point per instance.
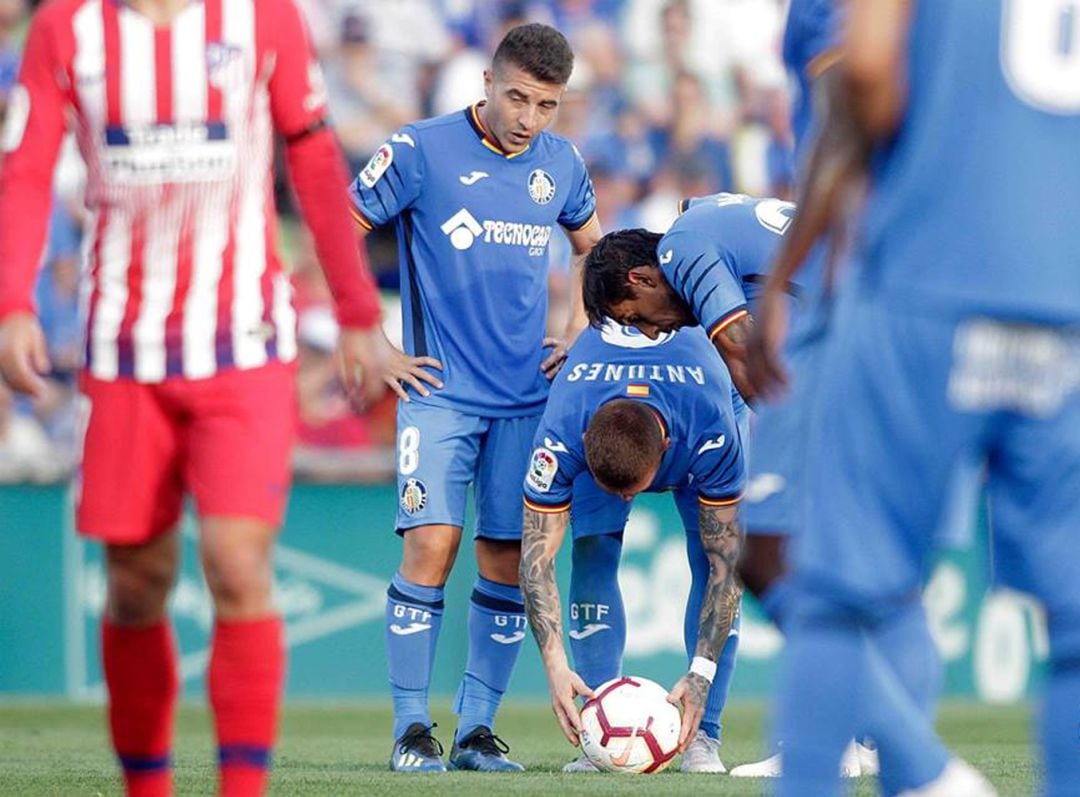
(541, 186)
(377, 166)
(413, 496)
(542, 470)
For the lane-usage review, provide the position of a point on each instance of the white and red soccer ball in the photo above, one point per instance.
(629, 726)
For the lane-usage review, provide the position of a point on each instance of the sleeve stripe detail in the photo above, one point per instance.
(547, 510)
(583, 225)
(727, 321)
(361, 219)
(729, 501)
(684, 205)
(823, 62)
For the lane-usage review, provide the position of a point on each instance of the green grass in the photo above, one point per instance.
(55, 749)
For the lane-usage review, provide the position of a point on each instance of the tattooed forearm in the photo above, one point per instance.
(722, 540)
(542, 535)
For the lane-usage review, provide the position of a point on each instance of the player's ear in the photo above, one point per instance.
(641, 276)
(489, 82)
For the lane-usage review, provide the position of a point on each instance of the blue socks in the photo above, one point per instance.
(413, 617)
(497, 627)
(597, 618)
(725, 666)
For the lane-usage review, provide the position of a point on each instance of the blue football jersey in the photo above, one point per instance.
(473, 228)
(811, 37)
(974, 204)
(718, 253)
(679, 376)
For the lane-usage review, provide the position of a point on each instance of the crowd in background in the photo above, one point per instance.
(668, 99)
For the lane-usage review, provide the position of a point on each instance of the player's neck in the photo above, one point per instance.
(160, 12)
(481, 114)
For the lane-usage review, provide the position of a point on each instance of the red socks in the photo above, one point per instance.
(245, 678)
(140, 671)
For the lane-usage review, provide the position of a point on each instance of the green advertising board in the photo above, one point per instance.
(336, 555)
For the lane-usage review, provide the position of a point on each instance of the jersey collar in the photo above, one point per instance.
(472, 113)
(660, 422)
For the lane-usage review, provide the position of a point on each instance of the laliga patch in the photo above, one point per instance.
(541, 186)
(413, 496)
(377, 166)
(18, 113)
(542, 470)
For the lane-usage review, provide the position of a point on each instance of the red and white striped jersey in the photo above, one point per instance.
(176, 125)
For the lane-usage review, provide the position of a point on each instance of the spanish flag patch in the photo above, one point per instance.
(637, 391)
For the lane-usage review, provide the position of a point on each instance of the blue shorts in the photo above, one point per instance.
(924, 395)
(595, 511)
(441, 451)
(771, 503)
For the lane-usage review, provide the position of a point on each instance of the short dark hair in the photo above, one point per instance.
(604, 280)
(623, 443)
(540, 50)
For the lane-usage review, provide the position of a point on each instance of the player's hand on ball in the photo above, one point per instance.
(690, 692)
(24, 355)
(554, 361)
(565, 685)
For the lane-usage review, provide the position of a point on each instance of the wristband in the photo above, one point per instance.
(703, 667)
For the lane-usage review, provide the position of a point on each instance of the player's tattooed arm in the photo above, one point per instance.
(722, 541)
(542, 536)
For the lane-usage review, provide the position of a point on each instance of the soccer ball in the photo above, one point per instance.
(630, 727)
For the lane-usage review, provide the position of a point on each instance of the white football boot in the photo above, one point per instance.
(959, 779)
(868, 760)
(857, 761)
(771, 767)
(703, 755)
(580, 764)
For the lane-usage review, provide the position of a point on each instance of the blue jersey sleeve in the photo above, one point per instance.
(553, 465)
(390, 182)
(704, 276)
(581, 201)
(718, 465)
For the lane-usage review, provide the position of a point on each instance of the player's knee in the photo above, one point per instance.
(761, 563)
(499, 560)
(597, 551)
(240, 582)
(429, 554)
(138, 586)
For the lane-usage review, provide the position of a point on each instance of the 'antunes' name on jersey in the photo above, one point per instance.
(618, 372)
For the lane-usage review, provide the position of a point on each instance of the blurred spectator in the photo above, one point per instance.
(366, 102)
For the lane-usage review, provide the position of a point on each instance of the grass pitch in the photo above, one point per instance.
(55, 749)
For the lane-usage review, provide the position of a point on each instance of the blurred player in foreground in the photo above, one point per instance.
(633, 415)
(475, 196)
(188, 375)
(952, 341)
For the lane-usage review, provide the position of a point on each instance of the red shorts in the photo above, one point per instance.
(226, 439)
